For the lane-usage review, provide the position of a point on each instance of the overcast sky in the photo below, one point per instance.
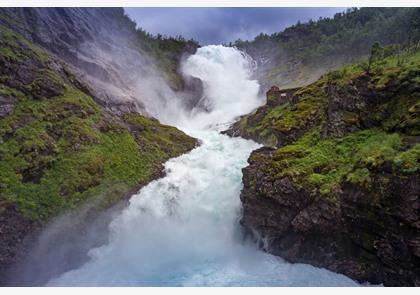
(222, 25)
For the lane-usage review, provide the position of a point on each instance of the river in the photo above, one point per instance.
(183, 229)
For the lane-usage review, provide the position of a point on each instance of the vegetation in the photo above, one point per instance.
(382, 130)
(325, 163)
(61, 149)
(303, 52)
(166, 50)
(280, 124)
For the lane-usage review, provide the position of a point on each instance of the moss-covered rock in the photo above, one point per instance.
(277, 125)
(340, 187)
(60, 148)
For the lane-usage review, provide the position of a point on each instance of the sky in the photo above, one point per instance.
(222, 25)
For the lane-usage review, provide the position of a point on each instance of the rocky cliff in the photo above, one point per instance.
(338, 183)
(124, 66)
(61, 145)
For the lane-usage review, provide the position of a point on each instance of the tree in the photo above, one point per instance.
(375, 55)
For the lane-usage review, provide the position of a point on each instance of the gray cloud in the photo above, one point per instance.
(222, 25)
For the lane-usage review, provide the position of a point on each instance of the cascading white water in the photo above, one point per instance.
(183, 230)
(228, 90)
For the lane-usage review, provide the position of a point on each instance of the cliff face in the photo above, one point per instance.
(60, 147)
(123, 66)
(339, 185)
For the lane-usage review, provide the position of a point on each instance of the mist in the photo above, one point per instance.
(182, 229)
(132, 81)
(229, 90)
(70, 241)
(123, 79)
(64, 243)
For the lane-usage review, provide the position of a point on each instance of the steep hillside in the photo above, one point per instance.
(339, 185)
(124, 66)
(301, 53)
(60, 148)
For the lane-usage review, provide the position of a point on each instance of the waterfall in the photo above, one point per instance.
(183, 229)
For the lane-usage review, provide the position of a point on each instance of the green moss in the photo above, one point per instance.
(344, 75)
(361, 177)
(316, 162)
(350, 118)
(7, 91)
(15, 48)
(409, 161)
(307, 110)
(269, 124)
(324, 163)
(56, 153)
(271, 99)
(379, 149)
(9, 48)
(316, 178)
(45, 77)
(158, 139)
(68, 160)
(405, 114)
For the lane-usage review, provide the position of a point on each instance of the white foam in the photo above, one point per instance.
(183, 229)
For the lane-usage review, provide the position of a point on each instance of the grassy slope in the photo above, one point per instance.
(57, 152)
(322, 162)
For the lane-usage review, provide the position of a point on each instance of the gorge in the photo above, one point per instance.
(129, 160)
(182, 230)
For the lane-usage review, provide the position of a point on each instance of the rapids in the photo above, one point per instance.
(183, 229)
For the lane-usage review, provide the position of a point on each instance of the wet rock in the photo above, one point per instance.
(193, 92)
(367, 240)
(103, 45)
(14, 230)
(369, 233)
